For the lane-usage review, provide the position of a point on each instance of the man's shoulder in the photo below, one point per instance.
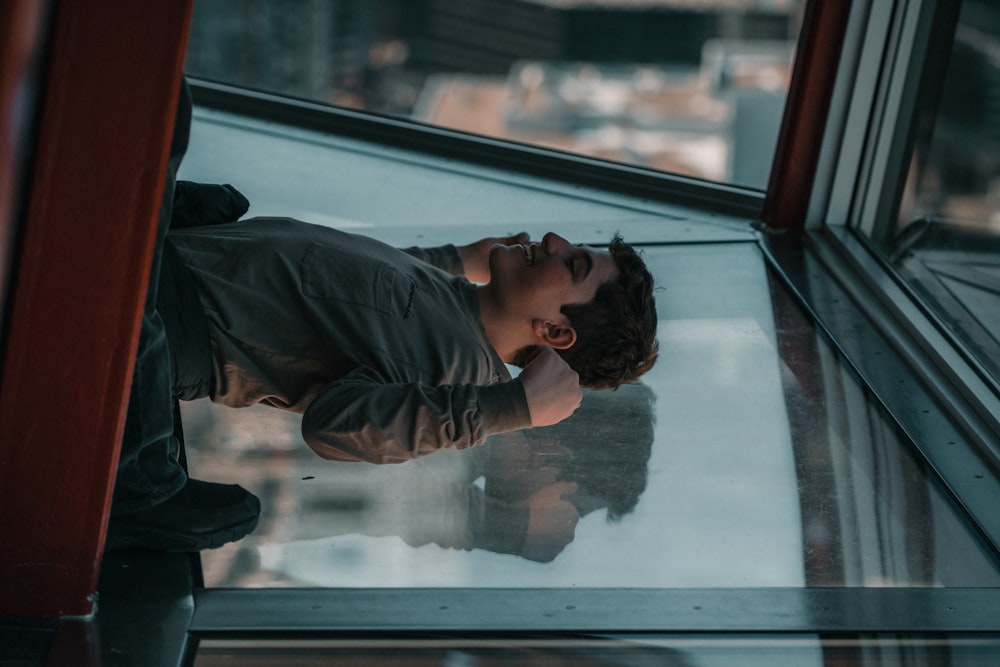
(287, 235)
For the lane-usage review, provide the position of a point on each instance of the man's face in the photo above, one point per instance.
(535, 280)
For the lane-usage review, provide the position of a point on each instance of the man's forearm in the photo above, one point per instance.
(360, 418)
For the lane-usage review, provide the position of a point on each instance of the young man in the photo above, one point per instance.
(387, 354)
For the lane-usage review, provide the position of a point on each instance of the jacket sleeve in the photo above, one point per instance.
(200, 204)
(444, 257)
(365, 416)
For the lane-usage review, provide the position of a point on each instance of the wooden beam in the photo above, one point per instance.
(75, 301)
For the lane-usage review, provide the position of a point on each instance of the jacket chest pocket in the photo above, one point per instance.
(333, 274)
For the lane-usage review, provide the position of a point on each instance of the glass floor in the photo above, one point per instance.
(728, 466)
(750, 456)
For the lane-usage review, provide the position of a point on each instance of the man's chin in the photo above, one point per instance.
(498, 253)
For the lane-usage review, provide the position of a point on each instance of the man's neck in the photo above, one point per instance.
(506, 336)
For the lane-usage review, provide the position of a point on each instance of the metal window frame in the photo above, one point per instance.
(311, 612)
(880, 94)
(879, 323)
(880, 90)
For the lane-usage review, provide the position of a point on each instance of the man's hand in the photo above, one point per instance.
(551, 387)
(551, 522)
(476, 256)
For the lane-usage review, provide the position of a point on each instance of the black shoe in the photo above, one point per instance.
(202, 515)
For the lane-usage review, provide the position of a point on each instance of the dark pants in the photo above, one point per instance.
(149, 470)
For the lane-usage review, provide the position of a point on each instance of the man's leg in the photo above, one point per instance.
(155, 504)
(149, 471)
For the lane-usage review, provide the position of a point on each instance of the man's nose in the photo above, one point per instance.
(554, 244)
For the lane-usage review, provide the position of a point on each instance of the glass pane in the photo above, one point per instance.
(947, 243)
(749, 457)
(679, 651)
(695, 88)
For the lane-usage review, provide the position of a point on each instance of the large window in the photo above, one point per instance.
(694, 88)
(913, 193)
(786, 448)
(947, 238)
(902, 216)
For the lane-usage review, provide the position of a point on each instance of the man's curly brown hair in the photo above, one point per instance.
(616, 331)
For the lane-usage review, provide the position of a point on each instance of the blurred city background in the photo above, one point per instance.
(694, 87)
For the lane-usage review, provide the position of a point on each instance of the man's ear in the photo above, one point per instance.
(557, 335)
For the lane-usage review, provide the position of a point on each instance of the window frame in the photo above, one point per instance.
(887, 80)
(854, 210)
(909, 82)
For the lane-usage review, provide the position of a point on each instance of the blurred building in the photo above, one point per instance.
(326, 50)
(305, 48)
(717, 121)
(487, 36)
(690, 86)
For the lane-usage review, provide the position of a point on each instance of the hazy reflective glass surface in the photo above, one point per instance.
(676, 651)
(749, 456)
(947, 243)
(695, 88)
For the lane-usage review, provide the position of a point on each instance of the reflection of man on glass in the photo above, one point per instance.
(386, 355)
(523, 493)
(596, 459)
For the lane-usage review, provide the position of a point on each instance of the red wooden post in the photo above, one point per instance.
(76, 296)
